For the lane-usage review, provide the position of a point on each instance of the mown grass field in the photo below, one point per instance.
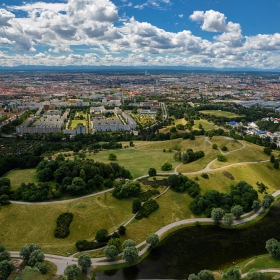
(24, 224)
(137, 161)
(218, 113)
(205, 124)
(22, 175)
(74, 123)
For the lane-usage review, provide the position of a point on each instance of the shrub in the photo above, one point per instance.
(205, 175)
(221, 157)
(102, 235)
(62, 225)
(122, 230)
(144, 196)
(214, 146)
(147, 208)
(228, 175)
(166, 167)
(84, 245)
(224, 148)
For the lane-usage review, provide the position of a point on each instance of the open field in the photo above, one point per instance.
(144, 119)
(252, 153)
(205, 124)
(22, 175)
(137, 162)
(218, 113)
(74, 123)
(36, 223)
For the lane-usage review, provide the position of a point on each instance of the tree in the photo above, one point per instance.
(153, 240)
(26, 250)
(4, 199)
(101, 235)
(136, 205)
(267, 201)
(232, 273)
(272, 159)
(152, 172)
(221, 157)
(84, 261)
(253, 273)
(116, 242)
(45, 175)
(237, 211)
(111, 252)
(206, 275)
(166, 166)
(122, 230)
(130, 254)
(267, 151)
(228, 219)
(78, 186)
(4, 254)
(214, 146)
(36, 256)
(6, 268)
(217, 215)
(128, 243)
(276, 164)
(256, 205)
(185, 158)
(72, 271)
(98, 181)
(273, 248)
(112, 156)
(193, 277)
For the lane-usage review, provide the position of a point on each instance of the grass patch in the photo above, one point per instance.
(103, 211)
(218, 113)
(205, 124)
(22, 175)
(137, 161)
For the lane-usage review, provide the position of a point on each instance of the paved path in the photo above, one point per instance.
(263, 271)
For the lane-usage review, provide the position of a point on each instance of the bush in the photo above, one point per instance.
(147, 208)
(84, 245)
(122, 230)
(205, 175)
(228, 175)
(166, 167)
(214, 146)
(62, 225)
(221, 157)
(101, 235)
(224, 148)
(144, 196)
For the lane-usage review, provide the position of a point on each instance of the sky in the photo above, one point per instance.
(191, 33)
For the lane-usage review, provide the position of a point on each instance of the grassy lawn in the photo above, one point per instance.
(22, 175)
(218, 113)
(36, 223)
(74, 123)
(252, 153)
(205, 124)
(49, 276)
(251, 173)
(137, 162)
(224, 141)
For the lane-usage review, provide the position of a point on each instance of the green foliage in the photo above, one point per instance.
(84, 245)
(205, 175)
(232, 273)
(193, 277)
(122, 230)
(6, 268)
(62, 225)
(116, 242)
(127, 190)
(147, 208)
(224, 148)
(144, 196)
(206, 275)
(4, 199)
(254, 274)
(130, 254)
(72, 271)
(267, 201)
(128, 243)
(4, 254)
(112, 156)
(101, 235)
(84, 261)
(136, 205)
(221, 157)
(276, 164)
(267, 151)
(272, 159)
(273, 247)
(27, 250)
(153, 240)
(237, 211)
(42, 266)
(214, 146)
(261, 187)
(37, 256)
(152, 172)
(228, 219)
(111, 252)
(166, 167)
(217, 215)
(256, 205)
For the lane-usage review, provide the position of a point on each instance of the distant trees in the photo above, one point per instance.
(232, 273)
(202, 275)
(182, 183)
(267, 151)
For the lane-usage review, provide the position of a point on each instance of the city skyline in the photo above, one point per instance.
(204, 34)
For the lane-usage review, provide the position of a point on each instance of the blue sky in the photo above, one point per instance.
(191, 33)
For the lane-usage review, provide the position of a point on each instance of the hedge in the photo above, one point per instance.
(62, 225)
(84, 245)
(147, 208)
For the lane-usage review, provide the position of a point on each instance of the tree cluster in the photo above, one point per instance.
(62, 225)
(6, 267)
(182, 183)
(273, 247)
(148, 207)
(130, 189)
(241, 194)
